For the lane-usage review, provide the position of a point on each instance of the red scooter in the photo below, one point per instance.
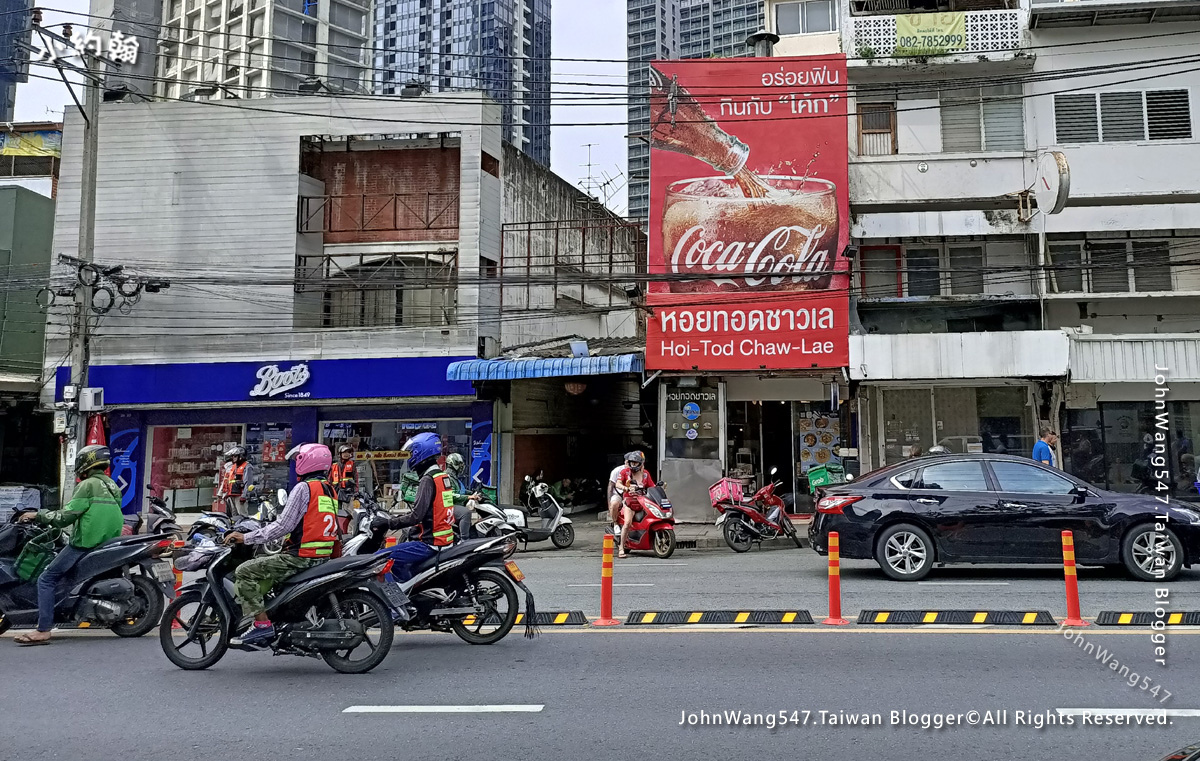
(745, 521)
(653, 526)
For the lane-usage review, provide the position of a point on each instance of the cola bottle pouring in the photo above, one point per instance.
(740, 230)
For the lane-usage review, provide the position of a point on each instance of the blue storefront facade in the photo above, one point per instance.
(170, 423)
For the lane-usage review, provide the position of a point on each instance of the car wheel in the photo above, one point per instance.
(1143, 545)
(904, 552)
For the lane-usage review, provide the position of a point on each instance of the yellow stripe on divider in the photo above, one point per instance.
(930, 618)
(519, 617)
(649, 617)
(1126, 618)
(788, 618)
(85, 624)
(1175, 618)
(741, 618)
(695, 618)
(561, 618)
(980, 618)
(881, 618)
(1029, 618)
(469, 620)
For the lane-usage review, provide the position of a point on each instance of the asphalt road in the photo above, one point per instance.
(716, 579)
(605, 694)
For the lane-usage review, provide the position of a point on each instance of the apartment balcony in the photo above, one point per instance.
(931, 182)
(960, 37)
(1053, 14)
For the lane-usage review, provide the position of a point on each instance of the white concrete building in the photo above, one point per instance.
(952, 177)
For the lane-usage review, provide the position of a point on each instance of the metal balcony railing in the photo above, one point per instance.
(380, 212)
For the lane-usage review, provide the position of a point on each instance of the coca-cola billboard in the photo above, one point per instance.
(749, 214)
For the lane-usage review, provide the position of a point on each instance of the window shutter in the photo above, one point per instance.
(1122, 117)
(1075, 118)
(1169, 114)
(961, 125)
(1110, 270)
(1003, 119)
(1151, 266)
(1066, 273)
(924, 277)
(875, 128)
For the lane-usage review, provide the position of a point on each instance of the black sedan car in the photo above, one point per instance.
(985, 508)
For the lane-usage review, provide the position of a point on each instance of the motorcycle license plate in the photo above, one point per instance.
(162, 572)
(395, 596)
(516, 572)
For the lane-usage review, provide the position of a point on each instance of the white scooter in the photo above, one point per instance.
(553, 524)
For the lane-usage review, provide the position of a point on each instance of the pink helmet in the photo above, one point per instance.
(311, 458)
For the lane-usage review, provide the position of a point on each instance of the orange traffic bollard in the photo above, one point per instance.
(178, 586)
(835, 584)
(1073, 617)
(606, 588)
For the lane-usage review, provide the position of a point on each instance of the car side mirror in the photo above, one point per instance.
(1080, 493)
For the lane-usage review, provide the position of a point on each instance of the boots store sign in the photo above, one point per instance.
(749, 214)
(273, 381)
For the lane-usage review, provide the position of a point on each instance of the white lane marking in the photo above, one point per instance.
(964, 583)
(615, 585)
(1191, 713)
(447, 709)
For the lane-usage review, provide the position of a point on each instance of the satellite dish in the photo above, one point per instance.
(1052, 182)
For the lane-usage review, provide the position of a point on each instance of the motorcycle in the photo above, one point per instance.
(329, 611)
(653, 526)
(467, 588)
(162, 519)
(215, 526)
(121, 585)
(744, 521)
(554, 525)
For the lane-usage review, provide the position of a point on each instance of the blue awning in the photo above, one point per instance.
(533, 367)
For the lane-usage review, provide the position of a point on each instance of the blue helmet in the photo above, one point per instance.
(422, 448)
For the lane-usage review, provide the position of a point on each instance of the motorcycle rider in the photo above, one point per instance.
(95, 513)
(614, 497)
(632, 476)
(240, 476)
(344, 477)
(308, 526)
(432, 508)
(456, 468)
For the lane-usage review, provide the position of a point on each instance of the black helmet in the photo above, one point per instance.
(92, 457)
(637, 459)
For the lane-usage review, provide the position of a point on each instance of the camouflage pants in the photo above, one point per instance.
(254, 578)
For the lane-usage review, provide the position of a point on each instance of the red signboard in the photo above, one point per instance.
(749, 214)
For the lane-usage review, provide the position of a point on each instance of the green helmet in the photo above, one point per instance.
(456, 465)
(92, 457)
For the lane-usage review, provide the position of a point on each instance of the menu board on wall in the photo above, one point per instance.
(818, 436)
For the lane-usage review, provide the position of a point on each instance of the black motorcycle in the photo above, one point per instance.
(468, 588)
(335, 611)
(161, 519)
(121, 585)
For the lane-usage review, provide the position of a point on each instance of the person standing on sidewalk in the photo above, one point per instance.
(1043, 448)
(344, 477)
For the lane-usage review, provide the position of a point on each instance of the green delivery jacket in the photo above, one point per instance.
(408, 489)
(94, 511)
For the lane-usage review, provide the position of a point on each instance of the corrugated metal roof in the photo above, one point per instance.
(535, 367)
(1134, 359)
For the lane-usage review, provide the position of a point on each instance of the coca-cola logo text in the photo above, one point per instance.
(784, 253)
(272, 381)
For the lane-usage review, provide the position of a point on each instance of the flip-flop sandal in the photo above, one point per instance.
(25, 641)
(623, 554)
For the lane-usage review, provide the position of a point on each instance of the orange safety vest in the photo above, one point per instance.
(233, 476)
(317, 533)
(344, 475)
(442, 528)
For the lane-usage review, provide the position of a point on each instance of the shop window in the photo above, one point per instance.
(185, 462)
(378, 450)
(964, 420)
